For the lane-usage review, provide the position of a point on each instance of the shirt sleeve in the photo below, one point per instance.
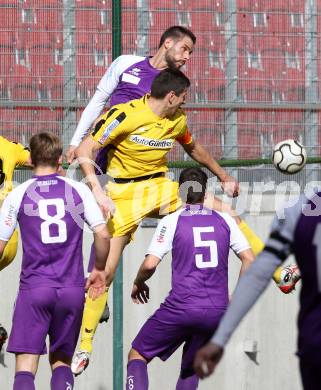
(110, 125)
(105, 88)
(162, 240)
(238, 242)
(186, 138)
(9, 216)
(257, 277)
(92, 213)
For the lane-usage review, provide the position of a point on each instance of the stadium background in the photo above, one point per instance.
(255, 75)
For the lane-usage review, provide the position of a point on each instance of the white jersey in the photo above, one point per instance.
(128, 77)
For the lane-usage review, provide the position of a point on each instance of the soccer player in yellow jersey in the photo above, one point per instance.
(139, 134)
(11, 156)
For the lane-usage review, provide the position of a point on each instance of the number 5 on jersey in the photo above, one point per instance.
(200, 259)
(49, 220)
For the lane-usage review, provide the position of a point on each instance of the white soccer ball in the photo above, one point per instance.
(289, 156)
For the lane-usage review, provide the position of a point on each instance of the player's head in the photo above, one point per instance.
(170, 85)
(45, 150)
(178, 43)
(192, 185)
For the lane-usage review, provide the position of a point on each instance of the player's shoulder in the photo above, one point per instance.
(226, 218)
(172, 218)
(125, 61)
(16, 195)
(80, 187)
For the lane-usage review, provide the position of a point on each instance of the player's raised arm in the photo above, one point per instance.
(200, 154)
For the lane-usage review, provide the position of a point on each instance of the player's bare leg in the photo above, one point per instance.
(26, 368)
(284, 277)
(137, 376)
(94, 309)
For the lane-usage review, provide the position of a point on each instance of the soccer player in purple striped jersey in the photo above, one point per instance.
(130, 77)
(299, 233)
(51, 211)
(199, 239)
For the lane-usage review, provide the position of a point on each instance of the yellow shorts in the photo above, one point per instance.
(155, 197)
(10, 251)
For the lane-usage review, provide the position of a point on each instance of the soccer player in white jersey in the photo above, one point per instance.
(199, 240)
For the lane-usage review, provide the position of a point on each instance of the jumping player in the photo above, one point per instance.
(199, 239)
(139, 134)
(130, 77)
(51, 211)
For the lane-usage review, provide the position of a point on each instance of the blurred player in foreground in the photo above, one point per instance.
(299, 234)
(139, 134)
(51, 211)
(12, 155)
(199, 239)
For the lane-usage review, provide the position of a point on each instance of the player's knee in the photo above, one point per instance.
(135, 355)
(58, 358)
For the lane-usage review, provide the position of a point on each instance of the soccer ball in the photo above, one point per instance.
(289, 156)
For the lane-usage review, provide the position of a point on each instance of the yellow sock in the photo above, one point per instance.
(92, 312)
(256, 243)
(257, 246)
(277, 274)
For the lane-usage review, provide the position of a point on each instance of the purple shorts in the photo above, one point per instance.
(168, 328)
(310, 374)
(43, 311)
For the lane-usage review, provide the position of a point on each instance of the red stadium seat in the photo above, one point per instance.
(248, 136)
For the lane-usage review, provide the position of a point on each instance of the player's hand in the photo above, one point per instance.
(140, 293)
(105, 203)
(230, 186)
(206, 359)
(70, 154)
(96, 283)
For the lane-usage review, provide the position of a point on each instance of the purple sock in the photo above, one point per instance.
(137, 377)
(62, 378)
(189, 383)
(24, 380)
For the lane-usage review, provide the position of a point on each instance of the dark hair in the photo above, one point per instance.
(170, 79)
(45, 149)
(176, 32)
(192, 185)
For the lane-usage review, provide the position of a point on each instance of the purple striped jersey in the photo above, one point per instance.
(51, 211)
(199, 240)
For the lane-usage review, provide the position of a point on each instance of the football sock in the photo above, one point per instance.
(24, 380)
(92, 312)
(189, 383)
(257, 245)
(137, 377)
(62, 378)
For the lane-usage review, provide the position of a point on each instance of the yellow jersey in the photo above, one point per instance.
(11, 156)
(138, 140)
